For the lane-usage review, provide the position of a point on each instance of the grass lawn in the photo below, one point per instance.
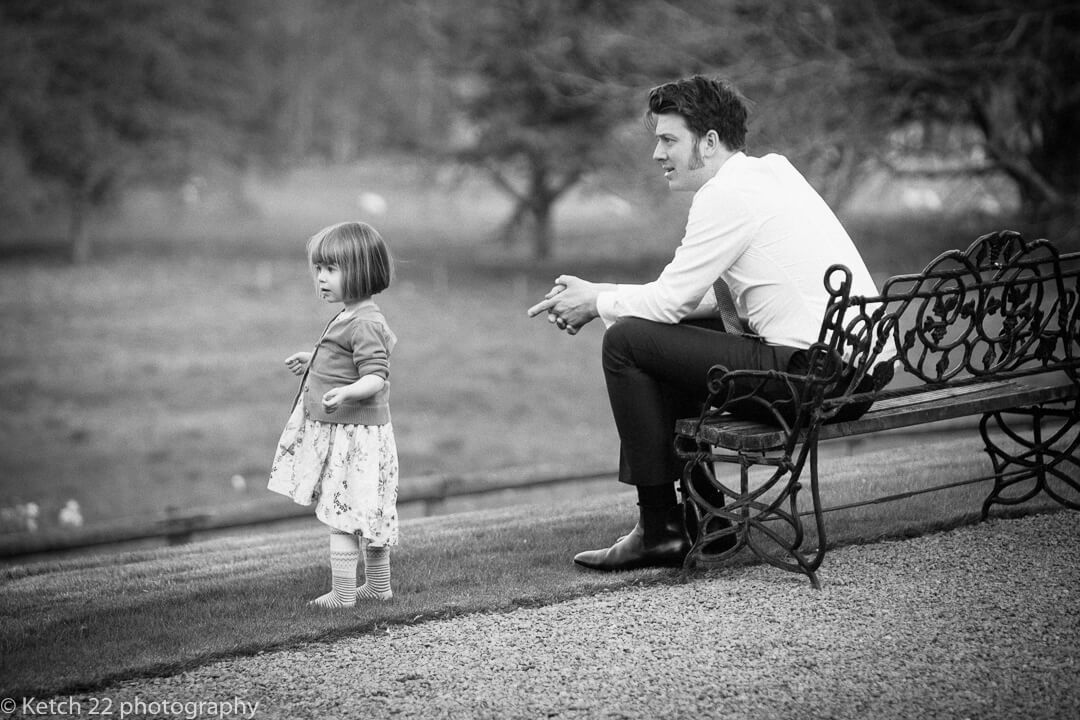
(151, 382)
(79, 624)
(142, 384)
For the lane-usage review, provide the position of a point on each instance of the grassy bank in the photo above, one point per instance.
(141, 384)
(80, 624)
(152, 381)
(152, 378)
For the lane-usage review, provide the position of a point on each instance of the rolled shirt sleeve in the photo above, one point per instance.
(718, 231)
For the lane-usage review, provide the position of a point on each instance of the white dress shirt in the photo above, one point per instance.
(760, 225)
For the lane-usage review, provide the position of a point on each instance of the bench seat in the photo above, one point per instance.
(918, 406)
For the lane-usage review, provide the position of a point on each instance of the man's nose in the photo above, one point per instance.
(658, 152)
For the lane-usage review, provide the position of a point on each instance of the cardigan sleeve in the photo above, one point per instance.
(371, 345)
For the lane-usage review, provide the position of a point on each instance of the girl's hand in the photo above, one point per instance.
(333, 398)
(298, 362)
(365, 387)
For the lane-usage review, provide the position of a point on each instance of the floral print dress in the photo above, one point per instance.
(350, 473)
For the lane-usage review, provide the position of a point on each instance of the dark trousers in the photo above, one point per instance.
(656, 373)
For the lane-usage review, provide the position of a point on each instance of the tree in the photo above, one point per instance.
(841, 86)
(108, 93)
(340, 77)
(543, 85)
(522, 70)
(992, 85)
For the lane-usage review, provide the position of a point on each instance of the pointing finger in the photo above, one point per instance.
(540, 307)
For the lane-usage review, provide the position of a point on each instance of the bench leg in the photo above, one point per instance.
(762, 516)
(1047, 453)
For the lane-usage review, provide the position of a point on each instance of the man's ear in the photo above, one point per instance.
(711, 144)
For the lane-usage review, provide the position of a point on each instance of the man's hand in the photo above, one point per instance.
(570, 304)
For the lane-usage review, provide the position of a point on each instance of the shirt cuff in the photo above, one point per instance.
(605, 306)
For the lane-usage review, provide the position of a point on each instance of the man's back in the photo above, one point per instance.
(780, 238)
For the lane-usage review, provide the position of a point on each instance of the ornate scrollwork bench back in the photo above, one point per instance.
(1003, 308)
(965, 336)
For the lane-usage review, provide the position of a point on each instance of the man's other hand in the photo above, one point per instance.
(570, 304)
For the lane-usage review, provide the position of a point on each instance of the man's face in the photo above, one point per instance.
(678, 154)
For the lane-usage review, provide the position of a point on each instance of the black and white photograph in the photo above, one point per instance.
(539, 359)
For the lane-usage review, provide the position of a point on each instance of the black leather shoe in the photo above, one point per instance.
(658, 540)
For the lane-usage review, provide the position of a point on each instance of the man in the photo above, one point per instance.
(754, 223)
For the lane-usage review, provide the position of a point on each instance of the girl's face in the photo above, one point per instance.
(330, 281)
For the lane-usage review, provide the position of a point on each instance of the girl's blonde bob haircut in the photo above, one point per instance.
(359, 251)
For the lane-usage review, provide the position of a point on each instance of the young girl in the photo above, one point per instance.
(338, 449)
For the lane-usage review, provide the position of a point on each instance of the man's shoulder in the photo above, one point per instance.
(757, 163)
(750, 174)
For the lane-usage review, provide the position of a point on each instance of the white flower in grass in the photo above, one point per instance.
(30, 512)
(371, 203)
(71, 514)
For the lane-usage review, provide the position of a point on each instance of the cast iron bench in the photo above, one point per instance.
(991, 331)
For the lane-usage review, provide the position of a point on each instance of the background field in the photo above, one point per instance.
(151, 380)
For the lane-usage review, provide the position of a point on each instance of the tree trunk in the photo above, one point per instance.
(543, 234)
(79, 241)
(535, 204)
(509, 231)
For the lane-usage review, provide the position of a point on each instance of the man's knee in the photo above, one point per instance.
(619, 339)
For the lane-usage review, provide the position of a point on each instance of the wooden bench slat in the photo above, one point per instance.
(926, 395)
(989, 399)
(915, 409)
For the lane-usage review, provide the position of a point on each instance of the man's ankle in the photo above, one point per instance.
(657, 495)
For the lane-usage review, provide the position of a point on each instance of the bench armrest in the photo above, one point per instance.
(788, 400)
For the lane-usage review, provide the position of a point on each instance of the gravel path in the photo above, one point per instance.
(980, 622)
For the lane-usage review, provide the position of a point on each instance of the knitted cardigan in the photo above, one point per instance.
(356, 342)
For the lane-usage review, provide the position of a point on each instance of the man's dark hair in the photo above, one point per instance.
(706, 104)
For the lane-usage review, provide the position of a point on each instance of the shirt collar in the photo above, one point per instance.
(730, 165)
